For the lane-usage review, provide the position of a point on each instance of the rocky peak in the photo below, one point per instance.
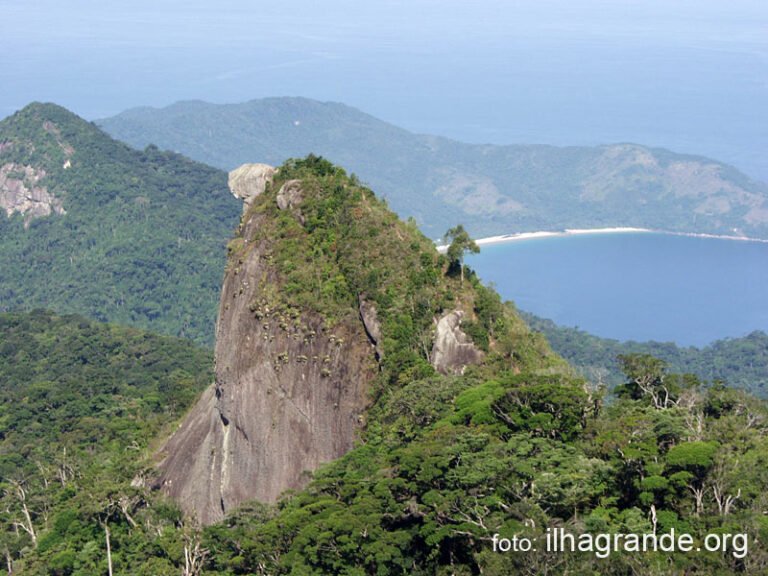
(290, 389)
(314, 309)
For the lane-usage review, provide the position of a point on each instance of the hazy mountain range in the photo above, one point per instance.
(491, 189)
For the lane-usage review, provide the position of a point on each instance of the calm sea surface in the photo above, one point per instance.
(635, 286)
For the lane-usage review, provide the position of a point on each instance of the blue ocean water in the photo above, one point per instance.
(635, 286)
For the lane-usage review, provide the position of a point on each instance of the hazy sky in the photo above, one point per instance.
(689, 75)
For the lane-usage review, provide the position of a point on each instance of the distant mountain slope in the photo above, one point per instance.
(94, 227)
(739, 362)
(491, 189)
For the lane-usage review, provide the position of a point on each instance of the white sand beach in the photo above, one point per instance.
(548, 234)
(614, 230)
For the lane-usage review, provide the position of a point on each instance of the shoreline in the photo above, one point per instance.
(520, 236)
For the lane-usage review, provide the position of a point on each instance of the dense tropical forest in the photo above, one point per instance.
(81, 404)
(446, 462)
(513, 446)
(449, 462)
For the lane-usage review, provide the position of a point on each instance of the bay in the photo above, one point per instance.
(635, 286)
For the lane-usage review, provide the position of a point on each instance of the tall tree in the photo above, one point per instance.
(646, 377)
(460, 243)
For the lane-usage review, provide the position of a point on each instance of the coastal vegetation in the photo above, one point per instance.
(460, 242)
(737, 362)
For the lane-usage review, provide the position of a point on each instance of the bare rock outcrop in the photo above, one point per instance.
(453, 350)
(21, 191)
(250, 180)
(289, 395)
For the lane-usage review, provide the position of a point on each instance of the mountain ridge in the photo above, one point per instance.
(124, 230)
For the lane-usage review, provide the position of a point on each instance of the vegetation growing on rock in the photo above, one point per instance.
(340, 244)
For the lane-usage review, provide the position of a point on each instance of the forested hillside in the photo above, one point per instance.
(450, 462)
(94, 227)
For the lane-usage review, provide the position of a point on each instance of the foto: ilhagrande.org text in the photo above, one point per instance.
(603, 545)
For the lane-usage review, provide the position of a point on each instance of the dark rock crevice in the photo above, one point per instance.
(369, 317)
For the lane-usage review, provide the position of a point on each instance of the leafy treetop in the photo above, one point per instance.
(460, 244)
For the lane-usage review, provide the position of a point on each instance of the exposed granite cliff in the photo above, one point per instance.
(289, 393)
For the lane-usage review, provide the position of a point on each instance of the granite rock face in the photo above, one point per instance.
(289, 395)
(289, 197)
(453, 350)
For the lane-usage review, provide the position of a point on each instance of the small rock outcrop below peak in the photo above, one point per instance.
(20, 191)
(453, 350)
(250, 180)
(289, 197)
